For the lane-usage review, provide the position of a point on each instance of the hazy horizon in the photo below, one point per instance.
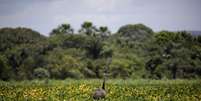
(45, 15)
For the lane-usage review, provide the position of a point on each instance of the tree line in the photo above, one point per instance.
(135, 49)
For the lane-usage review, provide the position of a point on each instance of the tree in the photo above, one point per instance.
(87, 28)
(16, 37)
(104, 31)
(62, 29)
(136, 32)
(41, 73)
(62, 65)
(152, 64)
(94, 47)
(199, 39)
(177, 52)
(136, 52)
(5, 70)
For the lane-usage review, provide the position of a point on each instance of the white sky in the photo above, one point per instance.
(44, 15)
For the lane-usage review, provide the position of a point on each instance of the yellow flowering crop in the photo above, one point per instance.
(81, 90)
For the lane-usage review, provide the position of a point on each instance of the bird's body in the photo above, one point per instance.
(99, 93)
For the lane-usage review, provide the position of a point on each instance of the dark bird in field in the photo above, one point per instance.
(100, 92)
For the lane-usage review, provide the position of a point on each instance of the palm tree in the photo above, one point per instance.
(62, 29)
(87, 28)
(66, 29)
(104, 31)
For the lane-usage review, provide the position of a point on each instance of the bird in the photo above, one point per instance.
(100, 92)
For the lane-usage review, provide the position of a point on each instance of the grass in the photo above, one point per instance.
(117, 90)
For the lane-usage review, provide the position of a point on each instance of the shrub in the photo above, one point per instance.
(41, 73)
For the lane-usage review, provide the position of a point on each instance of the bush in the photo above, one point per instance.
(41, 73)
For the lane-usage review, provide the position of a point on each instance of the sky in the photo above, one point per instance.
(44, 15)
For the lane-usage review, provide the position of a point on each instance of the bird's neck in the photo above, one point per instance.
(103, 86)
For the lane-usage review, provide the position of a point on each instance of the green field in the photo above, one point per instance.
(117, 90)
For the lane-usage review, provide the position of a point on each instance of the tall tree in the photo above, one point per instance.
(88, 28)
(135, 31)
(104, 32)
(62, 29)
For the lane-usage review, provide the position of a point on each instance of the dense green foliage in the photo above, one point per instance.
(136, 52)
(117, 90)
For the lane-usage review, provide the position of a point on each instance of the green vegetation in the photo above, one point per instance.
(117, 90)
(136, 51)
(31, 64)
